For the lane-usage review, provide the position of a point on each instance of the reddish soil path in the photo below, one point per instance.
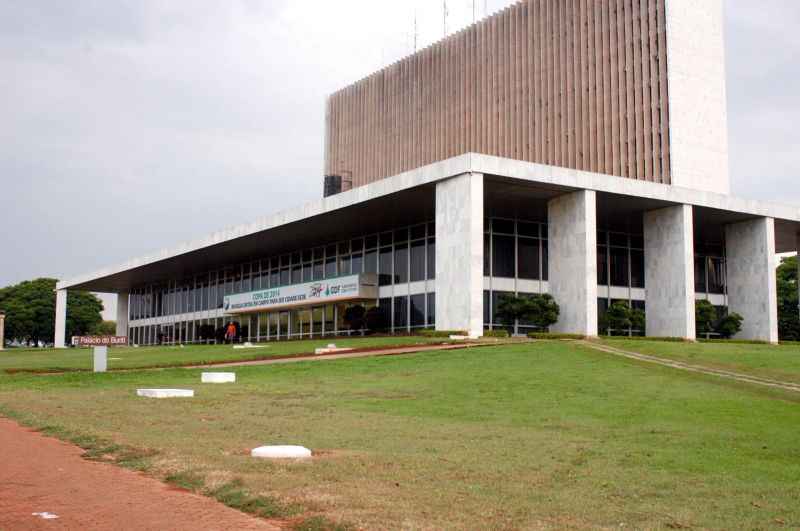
(40, 474)
(354, 353)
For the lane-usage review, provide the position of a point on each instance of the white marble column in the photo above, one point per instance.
(122, 314)
(751, 278)
(669, 272)
(572, 246)
(61, 318)
(459, 254)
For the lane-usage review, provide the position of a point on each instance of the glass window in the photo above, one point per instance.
(308, 256)
(319, 270)
(637, 268)
(344, 248)
(487, 255)
(400, 312)
(400, 236)
(637, 241)
(496, 295)
(370, 242)
(618, 239)
(386, 238)
(417, 232)
(308, 271)
(344, 265)
(418, 260)
(401, 264)
(286, 277)
(716, 275)
(297, 274)
(371, 262)
(528, 258)
(700, 274)
(385, 267)
(417, 310)
(602, 238)
(602, 265)
(330, 267)
(357, 263)
(503, 259)
(385, 314)
(545, 260)
(504, 226)
(431, 309)
(357, 245)
(431, 259)
(619, 266)
(528, 229)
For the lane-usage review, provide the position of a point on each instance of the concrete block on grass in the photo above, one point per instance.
(218, 377)
(165, 393)
(281, 452)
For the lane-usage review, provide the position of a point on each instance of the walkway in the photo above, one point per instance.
(739, 377)
(46, 484)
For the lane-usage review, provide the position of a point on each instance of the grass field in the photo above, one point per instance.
(767, 361)
(536, 435)
(148, 357)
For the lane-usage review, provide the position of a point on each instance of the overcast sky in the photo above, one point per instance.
(131, 125)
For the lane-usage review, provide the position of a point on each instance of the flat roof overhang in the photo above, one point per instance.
(511, 186)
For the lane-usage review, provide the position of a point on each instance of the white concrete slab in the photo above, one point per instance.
(328, 350)
(165, 393)
(100, 359)
(281, 452)
(218, 377)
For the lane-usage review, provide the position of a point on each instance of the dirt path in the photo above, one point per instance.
(346, 355)
(39, 474)
(786, 386)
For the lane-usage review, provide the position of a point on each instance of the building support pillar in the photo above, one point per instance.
(751, 277)
(61, 319)
(459, 254)
(2, 330)
(122, 314)
(572, 246)
(669, 272)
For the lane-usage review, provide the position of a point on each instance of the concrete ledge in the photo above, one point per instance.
(165, 393)
(281, 452)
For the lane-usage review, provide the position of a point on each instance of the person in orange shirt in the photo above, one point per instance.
(230, 333)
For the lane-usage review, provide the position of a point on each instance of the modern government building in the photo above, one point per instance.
(571, 147)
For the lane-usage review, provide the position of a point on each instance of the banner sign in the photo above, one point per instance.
(363, 286)
(99, 341)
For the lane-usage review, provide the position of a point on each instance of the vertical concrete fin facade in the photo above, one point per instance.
(669, 272)
(459, 253)
(572, 249)
(698, 120)
(751, 277)
(576, 84)
(122, 314)
(61, 319)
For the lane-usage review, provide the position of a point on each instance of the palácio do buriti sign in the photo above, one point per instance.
(352, 287)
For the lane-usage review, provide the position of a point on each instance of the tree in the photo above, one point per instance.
(106, 328)
(544, 311)
(541, 311)
(512, 308)
(730, 325)
(375, 319)
(30, 308)
(639, 321)
(788, 312)
(618, 317)
(705, 315)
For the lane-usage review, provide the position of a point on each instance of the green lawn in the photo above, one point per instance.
(144, 357)
(537, 435)
(766, 361)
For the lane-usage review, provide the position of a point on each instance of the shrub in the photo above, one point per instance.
(496, 333)
(441, 333)
(704, 315)
(547, 335)
(730, 325)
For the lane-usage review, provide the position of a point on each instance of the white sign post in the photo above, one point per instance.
(100, 359)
